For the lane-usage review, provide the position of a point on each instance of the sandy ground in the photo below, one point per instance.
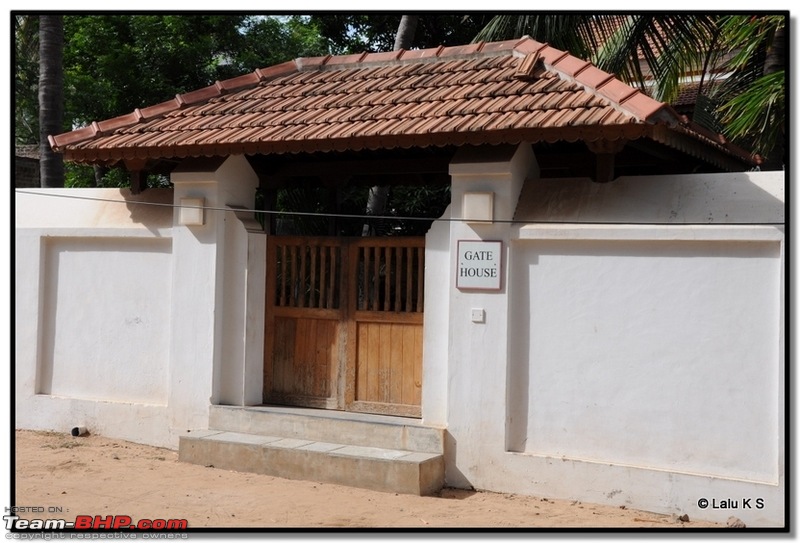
(94, 475)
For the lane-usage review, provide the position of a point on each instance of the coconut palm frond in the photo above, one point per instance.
(748, 35)
(757, 114)
(670, 46)
(564, 31)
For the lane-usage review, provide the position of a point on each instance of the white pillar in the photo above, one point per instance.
(478, 351)
(242, 365)
(197, 352)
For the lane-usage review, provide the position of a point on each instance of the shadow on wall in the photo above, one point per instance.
(454, 478)
(152, 208)
(518, 367)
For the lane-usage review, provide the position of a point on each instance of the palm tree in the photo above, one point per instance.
(752, 103)
(657, 52)
(51, 97)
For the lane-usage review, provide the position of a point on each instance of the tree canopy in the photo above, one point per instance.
(116, 63)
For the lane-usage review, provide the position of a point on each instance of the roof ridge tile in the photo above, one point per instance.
(309, 63)
(199, 95)
(277, 70)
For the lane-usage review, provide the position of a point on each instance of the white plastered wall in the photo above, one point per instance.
(92, 291)
(128, 322)
(635, 365)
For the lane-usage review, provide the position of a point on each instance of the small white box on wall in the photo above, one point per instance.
(478, 207)
(191, 212)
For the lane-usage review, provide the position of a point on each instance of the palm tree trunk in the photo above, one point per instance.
(379, 195)
(405, 32)
(776, 61)
(51, 97)
(776, 53)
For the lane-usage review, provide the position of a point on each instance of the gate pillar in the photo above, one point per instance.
(201, 294)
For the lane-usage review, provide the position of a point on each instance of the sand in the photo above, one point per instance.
(94, 475)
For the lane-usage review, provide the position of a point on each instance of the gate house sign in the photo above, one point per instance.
(479, 265)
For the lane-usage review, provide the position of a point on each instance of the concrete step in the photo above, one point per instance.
(376, 468)
(329, 426)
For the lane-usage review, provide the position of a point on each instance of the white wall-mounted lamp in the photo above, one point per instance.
(191, 212)
(478, 207)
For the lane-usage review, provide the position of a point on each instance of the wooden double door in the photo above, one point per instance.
(344, 323)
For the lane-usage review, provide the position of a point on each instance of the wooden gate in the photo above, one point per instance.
(344, 323)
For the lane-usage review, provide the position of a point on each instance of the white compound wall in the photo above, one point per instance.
(634, 354)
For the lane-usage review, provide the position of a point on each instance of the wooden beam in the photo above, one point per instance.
(138, 181)
(136, 167)
(604, 168)
(605, 152)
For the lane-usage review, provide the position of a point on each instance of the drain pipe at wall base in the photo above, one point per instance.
(79, 431)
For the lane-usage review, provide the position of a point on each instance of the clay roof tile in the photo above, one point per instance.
(493, 91)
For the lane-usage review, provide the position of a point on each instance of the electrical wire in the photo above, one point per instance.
(385, 217)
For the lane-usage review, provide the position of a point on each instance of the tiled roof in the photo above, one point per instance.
(500, 92)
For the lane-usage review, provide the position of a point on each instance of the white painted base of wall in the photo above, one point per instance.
(140, 423)
(659, 491)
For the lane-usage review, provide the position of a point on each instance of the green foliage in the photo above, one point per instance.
(570, 32)
(672, 46)
(116, 63)
(347, 34)
(311, 200)
(78, 175)
(752, 102)
(749, 35)
(417, 201)
(272, 40)
(753, 114)
(82, 176)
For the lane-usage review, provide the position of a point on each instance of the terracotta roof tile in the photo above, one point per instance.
(477, 93)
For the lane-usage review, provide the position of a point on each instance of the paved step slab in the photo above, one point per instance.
(374, 468)
(329, 426)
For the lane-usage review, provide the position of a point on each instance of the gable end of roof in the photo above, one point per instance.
(595, 81)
